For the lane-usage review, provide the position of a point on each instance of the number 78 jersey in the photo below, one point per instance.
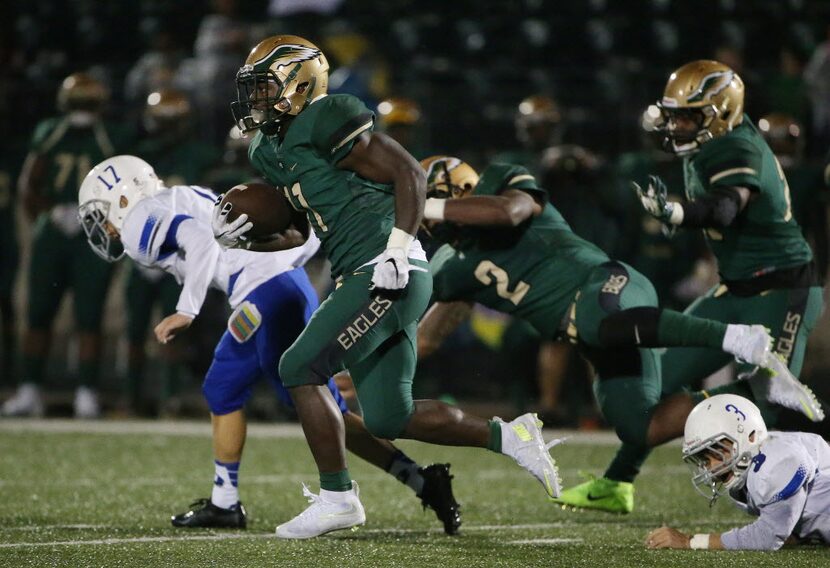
(352, 216)
(764, 236)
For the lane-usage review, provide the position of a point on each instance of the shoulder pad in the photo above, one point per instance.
(144, 230)
(778, 472)
(338, 121)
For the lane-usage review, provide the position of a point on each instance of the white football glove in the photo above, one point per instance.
(392, 270)
(229, 235)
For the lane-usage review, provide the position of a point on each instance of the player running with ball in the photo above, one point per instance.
(364, 196)
(124, 207)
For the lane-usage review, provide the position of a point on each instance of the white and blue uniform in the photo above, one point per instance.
(270, 293)
(788, 489)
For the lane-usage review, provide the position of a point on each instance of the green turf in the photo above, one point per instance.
(81, 499)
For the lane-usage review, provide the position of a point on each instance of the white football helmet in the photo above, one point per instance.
(109, 191)
(723, 434)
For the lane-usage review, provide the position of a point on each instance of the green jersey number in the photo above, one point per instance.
(297, 192)
(488, 273)
(68, 162)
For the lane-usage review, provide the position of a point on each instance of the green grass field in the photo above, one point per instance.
(101, 494)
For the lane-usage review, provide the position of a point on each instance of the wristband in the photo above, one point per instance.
(677, 213)
(434, 209)
(699, 542)
(399, 239)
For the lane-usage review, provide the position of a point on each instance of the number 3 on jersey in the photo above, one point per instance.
(488, 273)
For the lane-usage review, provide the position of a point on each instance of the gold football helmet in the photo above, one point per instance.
(81, 91)
(448, 177)
(280, 77)
(537, 118)
(783, 134)
(166, 110)
(396, 111)
(709, 94)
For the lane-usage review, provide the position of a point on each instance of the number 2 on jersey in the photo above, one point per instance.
(486, 272)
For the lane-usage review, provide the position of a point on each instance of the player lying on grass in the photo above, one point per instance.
(783, 478)
(363, 194)
(510, 250)
(125, 207)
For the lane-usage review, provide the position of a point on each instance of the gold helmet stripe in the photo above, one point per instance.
(732, 171)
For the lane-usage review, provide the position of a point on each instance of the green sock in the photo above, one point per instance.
(494, 443)
(680, 330)
(32, 369)
(88, 373)
(627, 462)
(337, 481)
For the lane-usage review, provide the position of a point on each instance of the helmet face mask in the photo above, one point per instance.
(280, 77)
(717, 467)
(100, 234)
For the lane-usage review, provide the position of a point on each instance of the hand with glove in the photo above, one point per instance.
(229, 234)
(656, 204)
(392, 270)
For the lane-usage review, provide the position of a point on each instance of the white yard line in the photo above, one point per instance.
(389, 531)
(202, 428)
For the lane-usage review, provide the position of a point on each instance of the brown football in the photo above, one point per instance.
(266, 207)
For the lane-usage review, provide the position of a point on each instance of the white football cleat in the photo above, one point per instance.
(329, 511)
(25, 402)
(781, 387)
(522, 440)
(86, 403)
(748, 343)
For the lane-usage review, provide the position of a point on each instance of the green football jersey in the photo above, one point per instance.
(185, 162)
(531, 271)
(71, 152)
(765, 236)
(352, 216)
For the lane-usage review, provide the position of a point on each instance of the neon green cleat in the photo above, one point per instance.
(600, 493)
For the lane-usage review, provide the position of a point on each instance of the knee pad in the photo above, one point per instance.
(634, 327)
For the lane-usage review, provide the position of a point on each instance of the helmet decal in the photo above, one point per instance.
(289, 53)
(711, 85)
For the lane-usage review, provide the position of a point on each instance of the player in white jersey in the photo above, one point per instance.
(125, 208)
(783, 478)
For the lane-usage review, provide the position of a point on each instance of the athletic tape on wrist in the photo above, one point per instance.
(699, 542)
(434, 209)
(399, 239)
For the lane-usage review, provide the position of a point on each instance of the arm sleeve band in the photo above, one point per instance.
(717, 209)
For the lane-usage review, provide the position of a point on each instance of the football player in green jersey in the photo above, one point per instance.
(805, 178)
(512, 251)
(63, 150)
(363, 194)
(736, 191)
(179, 159)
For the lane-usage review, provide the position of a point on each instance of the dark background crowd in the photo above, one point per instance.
(562, 87)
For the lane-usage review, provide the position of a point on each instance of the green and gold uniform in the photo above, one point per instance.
(368, 332)
(177, 161)
(61, 259)
(9, 257)
(766, 268)
(565, 287)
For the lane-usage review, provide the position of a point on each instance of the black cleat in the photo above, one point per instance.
(204, 514)
(437, 495)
